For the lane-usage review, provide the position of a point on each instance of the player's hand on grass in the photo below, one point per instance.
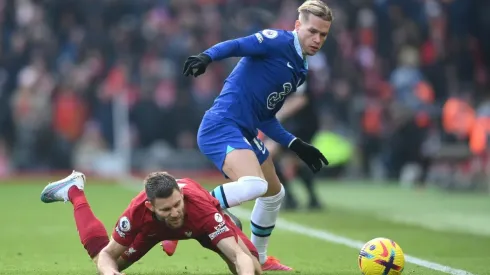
(309, 154)
(196, 64)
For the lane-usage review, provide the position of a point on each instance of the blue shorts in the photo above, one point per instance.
(217, 138)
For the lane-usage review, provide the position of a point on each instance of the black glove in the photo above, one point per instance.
(196, 64)
(309, 154)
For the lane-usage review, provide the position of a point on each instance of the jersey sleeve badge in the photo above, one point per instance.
(271, 34)
(220, 228)
(123, 226)
(218, 218)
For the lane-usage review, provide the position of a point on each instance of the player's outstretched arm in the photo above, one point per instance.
(252, 45)
(258, 44)
(233, 252)
(107, 260)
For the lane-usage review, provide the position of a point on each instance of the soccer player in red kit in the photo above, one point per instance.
(168, 209)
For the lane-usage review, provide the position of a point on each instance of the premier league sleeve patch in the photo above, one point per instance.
(271, 34)
(123, 227)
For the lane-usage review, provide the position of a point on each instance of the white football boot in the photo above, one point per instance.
(58, 190)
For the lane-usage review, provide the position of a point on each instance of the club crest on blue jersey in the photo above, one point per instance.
(274, 98)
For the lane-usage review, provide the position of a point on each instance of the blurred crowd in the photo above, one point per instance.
(381, 80)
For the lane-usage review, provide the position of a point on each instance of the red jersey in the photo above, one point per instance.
(203, 220)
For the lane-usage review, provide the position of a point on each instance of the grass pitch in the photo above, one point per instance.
(449, 229)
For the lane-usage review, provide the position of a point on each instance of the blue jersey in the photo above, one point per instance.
(271, 69)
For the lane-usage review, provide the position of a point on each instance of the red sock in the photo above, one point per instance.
(90, 229)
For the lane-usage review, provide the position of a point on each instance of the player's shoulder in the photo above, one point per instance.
(186, 181)
(134, 215)
(192, 189)
(197, 198)
(137, 208)
(274, 35)
(138, 199)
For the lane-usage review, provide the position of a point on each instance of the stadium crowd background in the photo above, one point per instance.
(381, 81)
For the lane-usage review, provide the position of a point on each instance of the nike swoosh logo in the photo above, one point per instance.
(385, 250)
(289, 66)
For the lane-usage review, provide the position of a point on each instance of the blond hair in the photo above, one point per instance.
(317, 8)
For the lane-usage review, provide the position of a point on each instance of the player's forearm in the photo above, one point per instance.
(274, 130)
(244, 264)
(234, 255)
(106, 264)
(244, 46)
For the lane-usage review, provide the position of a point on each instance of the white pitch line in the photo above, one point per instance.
(333, 238)
(322, 235)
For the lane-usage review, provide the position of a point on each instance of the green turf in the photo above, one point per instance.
(41, 238)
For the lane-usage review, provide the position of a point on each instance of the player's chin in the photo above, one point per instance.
(175, 224)
(312, 51)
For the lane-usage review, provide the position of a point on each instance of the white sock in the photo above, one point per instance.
(263, 220)
(235, 193)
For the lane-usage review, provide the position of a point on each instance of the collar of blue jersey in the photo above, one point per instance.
(298, 48)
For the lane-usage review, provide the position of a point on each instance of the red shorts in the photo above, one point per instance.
(143, 243)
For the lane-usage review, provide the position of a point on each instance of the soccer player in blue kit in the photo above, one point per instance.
(273, 66)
